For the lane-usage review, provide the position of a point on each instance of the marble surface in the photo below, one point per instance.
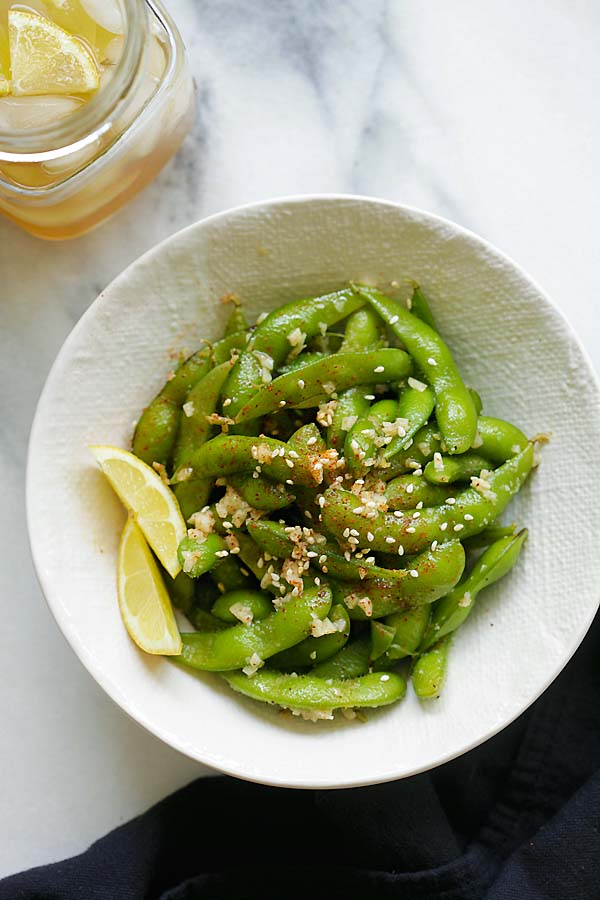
(485, 113)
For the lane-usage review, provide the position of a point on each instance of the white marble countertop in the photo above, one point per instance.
(484, 113)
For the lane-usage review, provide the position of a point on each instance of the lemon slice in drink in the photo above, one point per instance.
(149, 500)
(46, 59)
(143, 599)
(4, 62)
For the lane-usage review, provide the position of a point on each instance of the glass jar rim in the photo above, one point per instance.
(86, 124)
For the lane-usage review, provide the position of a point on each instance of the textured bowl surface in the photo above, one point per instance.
(511, 344)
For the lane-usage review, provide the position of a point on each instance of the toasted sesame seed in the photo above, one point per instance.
(378, 369)
(288, 481)
(227, 524)
(289, 463)
(416, 514)
(398, 513)
(434, 545)
(311, 441)
(301, 383)
(394, 319)
(370, 536)
(369, 396)
(227, 401)
(432, 361)
(385, 678)
(410, 488)
(411, 530)
(443, 526)
(282, 402)
(413, 573)
(459, 527)
(390, 540)
(419, 505)
(468, 517)
(222, 553)
(400, 550)
(451, 501)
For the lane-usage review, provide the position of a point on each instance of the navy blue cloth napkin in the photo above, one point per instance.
(516, 819)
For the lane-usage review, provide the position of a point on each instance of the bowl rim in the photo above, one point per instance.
(89, 662)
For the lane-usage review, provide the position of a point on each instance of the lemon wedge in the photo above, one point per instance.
(4, 62)
(143, 599)
(46, 59)
(149, 500)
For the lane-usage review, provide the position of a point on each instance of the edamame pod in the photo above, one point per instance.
(409, 627)
(448, 469)
(314, 650)
(313, 694)
(455, 411)
(249, 645)
(351, 661)
(405, 491)
(473, 510)
(420, 308)
(243, 606)
(429, 672)
(415, 405)
(198, 556)
(229, 454)
(382, 636)
(281, 333)
(261, 493)
(361, 445)
(314, 383)
(453, 609)
(431, 575)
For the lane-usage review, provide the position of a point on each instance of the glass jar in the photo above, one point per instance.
(62, 177)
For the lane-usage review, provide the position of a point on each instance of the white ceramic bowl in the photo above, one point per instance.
(510, 343)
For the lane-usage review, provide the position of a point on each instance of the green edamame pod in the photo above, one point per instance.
(477, 401)
(228, 576)
(405, 491)
(409, 628)
(488, 536)
(204, 622)
(229, 454)
(261, 493)
(201, 401)
(237, 320)
(431, 575)
(363, 331)
(452, 610)
(455, 411)
(352, 405)
(429, 672)
(156, 430)
(314, 383)
(498, 440)
(249, 645)
(181, 591)
(283, 331)
(195, 430)
(448, 469)
(351, 661)
(314, 650)
(360, 447)
(298, 362)
(282, 541)
(198, 556)
(415, 405)
(473, 510)
(313, 694)
(382, 636)
(419, 307)
(243, 606)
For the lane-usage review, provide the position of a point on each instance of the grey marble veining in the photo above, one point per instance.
(482, 112)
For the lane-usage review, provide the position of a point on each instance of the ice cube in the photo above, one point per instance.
(35, 112)
(113, 50)
(107, 13)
